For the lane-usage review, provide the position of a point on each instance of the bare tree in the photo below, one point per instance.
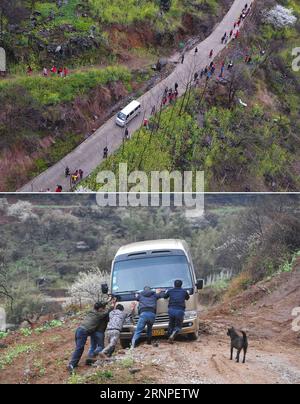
(5, 291)
(240, 80)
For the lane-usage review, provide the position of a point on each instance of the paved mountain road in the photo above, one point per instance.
(89, 154)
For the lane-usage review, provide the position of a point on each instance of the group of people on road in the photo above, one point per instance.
(60, 71)
(170, 95)
(235, 32)
(210, 69)
(107, 320)
(75, 177)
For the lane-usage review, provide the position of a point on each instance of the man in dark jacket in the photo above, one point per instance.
(97, 338)
(147, 313)
(177, 297)
(93, 322)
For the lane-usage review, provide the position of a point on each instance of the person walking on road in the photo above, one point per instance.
(126, 134)
(105, 152)
(177, 297)
(182, 59)
(147, 313)
(211, 53)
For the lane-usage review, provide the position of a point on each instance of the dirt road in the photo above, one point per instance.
(207, 362)
(89, 154)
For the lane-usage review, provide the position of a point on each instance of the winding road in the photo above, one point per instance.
(89, 154)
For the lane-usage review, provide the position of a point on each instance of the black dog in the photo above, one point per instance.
(238, 342)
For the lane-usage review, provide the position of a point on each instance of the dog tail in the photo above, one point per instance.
(245, 338)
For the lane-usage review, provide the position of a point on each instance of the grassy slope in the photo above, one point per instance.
(53, 90)
(261, 142)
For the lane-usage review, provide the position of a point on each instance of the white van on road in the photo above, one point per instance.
(128, 113)
(156, 264)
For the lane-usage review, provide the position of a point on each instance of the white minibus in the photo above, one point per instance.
(128, 113)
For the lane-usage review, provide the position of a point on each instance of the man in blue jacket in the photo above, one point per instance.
(177, 297)
(147, 313)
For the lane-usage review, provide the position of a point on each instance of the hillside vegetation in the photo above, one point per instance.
(44, 118)
(243, 130)
(87, 30)
(56, 237)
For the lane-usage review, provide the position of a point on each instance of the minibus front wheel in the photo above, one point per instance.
(192, 336)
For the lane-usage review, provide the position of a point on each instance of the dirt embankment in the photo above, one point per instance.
(264, 311)
(68, 123)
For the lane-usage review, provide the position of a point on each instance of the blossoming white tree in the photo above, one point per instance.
(280, 17)
(88, 286)
(22, 210)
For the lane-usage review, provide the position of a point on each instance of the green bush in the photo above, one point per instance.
(13, 353)
(3, 334)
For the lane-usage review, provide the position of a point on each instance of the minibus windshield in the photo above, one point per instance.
(157, 272)
(122, 116)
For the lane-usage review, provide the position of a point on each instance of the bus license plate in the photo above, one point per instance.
(158, 333)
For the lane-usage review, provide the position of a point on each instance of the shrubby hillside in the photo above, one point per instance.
(46, 241)
(44, 118)
(241, 129)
